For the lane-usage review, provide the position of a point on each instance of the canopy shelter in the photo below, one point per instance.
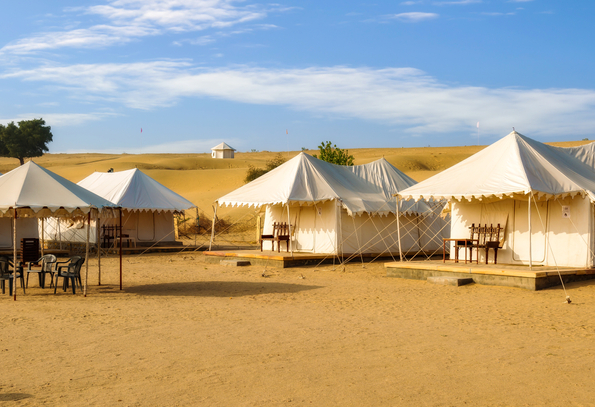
(333, 208)
(148, 207)
(542, 195)
(33, 191)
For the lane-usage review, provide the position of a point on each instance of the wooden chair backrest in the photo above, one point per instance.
(485, 233)
(280, 229)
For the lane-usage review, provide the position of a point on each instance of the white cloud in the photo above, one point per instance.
(61, 119)
(127, 20)
(403, 97)
(414, 17)
(187, 146)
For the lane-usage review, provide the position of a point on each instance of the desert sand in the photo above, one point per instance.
(183, 332)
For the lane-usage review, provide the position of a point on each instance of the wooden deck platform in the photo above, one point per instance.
(282, 259)
(538, 278)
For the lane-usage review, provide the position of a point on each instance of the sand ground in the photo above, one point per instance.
(185, 333)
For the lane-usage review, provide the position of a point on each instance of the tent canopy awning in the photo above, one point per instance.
(133, 190)
(513, 167)
(36, 191)
(305, 180)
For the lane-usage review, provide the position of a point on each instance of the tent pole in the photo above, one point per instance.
(340, 235)
(120, 249)
(98, 241)
(213, 227)
(87, 253)
(42, 237)
(399, 230)
(197, 226)
(14, 256)
(59, 233)
(289, 223)
(530, 239)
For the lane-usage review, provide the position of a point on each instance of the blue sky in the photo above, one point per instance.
(193, 73)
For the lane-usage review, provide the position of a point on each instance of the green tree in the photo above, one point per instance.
(28, 139)
(332, 154)
(255, 172)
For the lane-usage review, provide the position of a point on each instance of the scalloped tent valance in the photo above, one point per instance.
(133, 190)
(513, 167)
(38, 192)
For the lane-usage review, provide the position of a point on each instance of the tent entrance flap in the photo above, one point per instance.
(146, 226)
(521, 249)
(304, 230)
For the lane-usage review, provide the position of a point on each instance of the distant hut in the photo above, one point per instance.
(222, 150)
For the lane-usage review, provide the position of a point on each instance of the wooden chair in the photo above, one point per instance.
(280, 234)
(483, 237)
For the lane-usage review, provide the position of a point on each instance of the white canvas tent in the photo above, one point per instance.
(339, 209)
(31, 191)
(148, 207)
(222, 150)
(542, 194)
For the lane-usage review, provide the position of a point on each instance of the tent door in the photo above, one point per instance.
(5, 232)
(146, 226)
(539, 217)
(304, 233)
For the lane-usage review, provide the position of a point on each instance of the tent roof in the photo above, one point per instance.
(134, 190)
(514, 166)
(32, 186)
(307, 180)
(223, 146)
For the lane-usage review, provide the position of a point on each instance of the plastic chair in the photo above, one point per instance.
(71, 273)
(48, 265)
(7, 275)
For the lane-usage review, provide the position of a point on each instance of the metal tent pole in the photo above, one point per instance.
(213, 227)
(530, 237)
(98, 241)
(14, 256)
(87, 253)
(399, 230)
(120, 249)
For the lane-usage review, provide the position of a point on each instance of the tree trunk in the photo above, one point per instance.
(22, 160)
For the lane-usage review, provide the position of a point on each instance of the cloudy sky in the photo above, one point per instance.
(282, 76)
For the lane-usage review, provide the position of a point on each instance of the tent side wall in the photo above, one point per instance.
(314, 227)
(554, 238)
(145, 227)
(318, 228)
(26, 228)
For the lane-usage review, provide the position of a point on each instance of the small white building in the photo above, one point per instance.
(222, 150)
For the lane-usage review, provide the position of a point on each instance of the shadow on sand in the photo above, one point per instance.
(14, 396)
(218, 288)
